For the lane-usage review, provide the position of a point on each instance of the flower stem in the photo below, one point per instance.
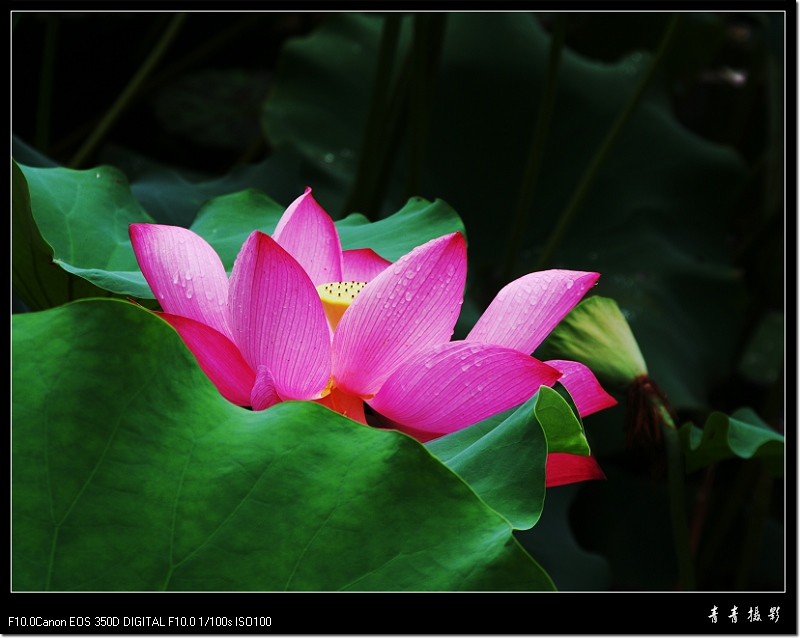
(376, 126)
(557, 236)
(680, 521)
(427, 47)
(756, 523)
(45, 105)
(128, 93)
(536, 152)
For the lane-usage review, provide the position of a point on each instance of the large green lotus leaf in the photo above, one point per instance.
(36, 278)
(517, 442)
(503, 460)
(131, 472)
(741, 434)
(653, 224)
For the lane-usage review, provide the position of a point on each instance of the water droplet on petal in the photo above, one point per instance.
(569, 283)
(409, 296)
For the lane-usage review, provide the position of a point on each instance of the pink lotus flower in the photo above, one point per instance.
(272, 332)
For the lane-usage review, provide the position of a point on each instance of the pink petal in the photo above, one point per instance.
(456, 384)
(583, 387)
(563, 469)
(307, 233)
(362, 264)
(264, 394)
(183, 271)
(218, 357)
(406, 309)
(277, 319)
(526, 310)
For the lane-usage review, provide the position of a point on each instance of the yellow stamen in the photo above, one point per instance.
(337, 297)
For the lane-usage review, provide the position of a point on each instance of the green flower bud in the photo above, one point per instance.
(596, 334)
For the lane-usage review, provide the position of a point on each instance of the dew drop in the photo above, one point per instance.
(569, 283)
(429, 364)
(189, 293)
(450, 270)
(409, 296)
(188, 276)
(410, 274)
(329, 157)
(466, 367)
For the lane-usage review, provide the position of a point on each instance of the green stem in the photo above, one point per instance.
(203, 50)
(754, 535)
(376, 117)
(45, 104)
(677, 501)
(426, 48)
(557, 236)
(723, 521)
(127, 94)
(536, 152)
(390, 141)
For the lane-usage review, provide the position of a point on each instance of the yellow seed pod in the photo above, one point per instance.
(337, 296)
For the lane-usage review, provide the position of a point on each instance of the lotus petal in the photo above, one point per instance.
(362, 264)
(218, 357)
(406, 309)
(307, 233)
(183, 271)
(526, 310)
(583, 387)
(563, 469)
(277, 319)
(456, 384)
